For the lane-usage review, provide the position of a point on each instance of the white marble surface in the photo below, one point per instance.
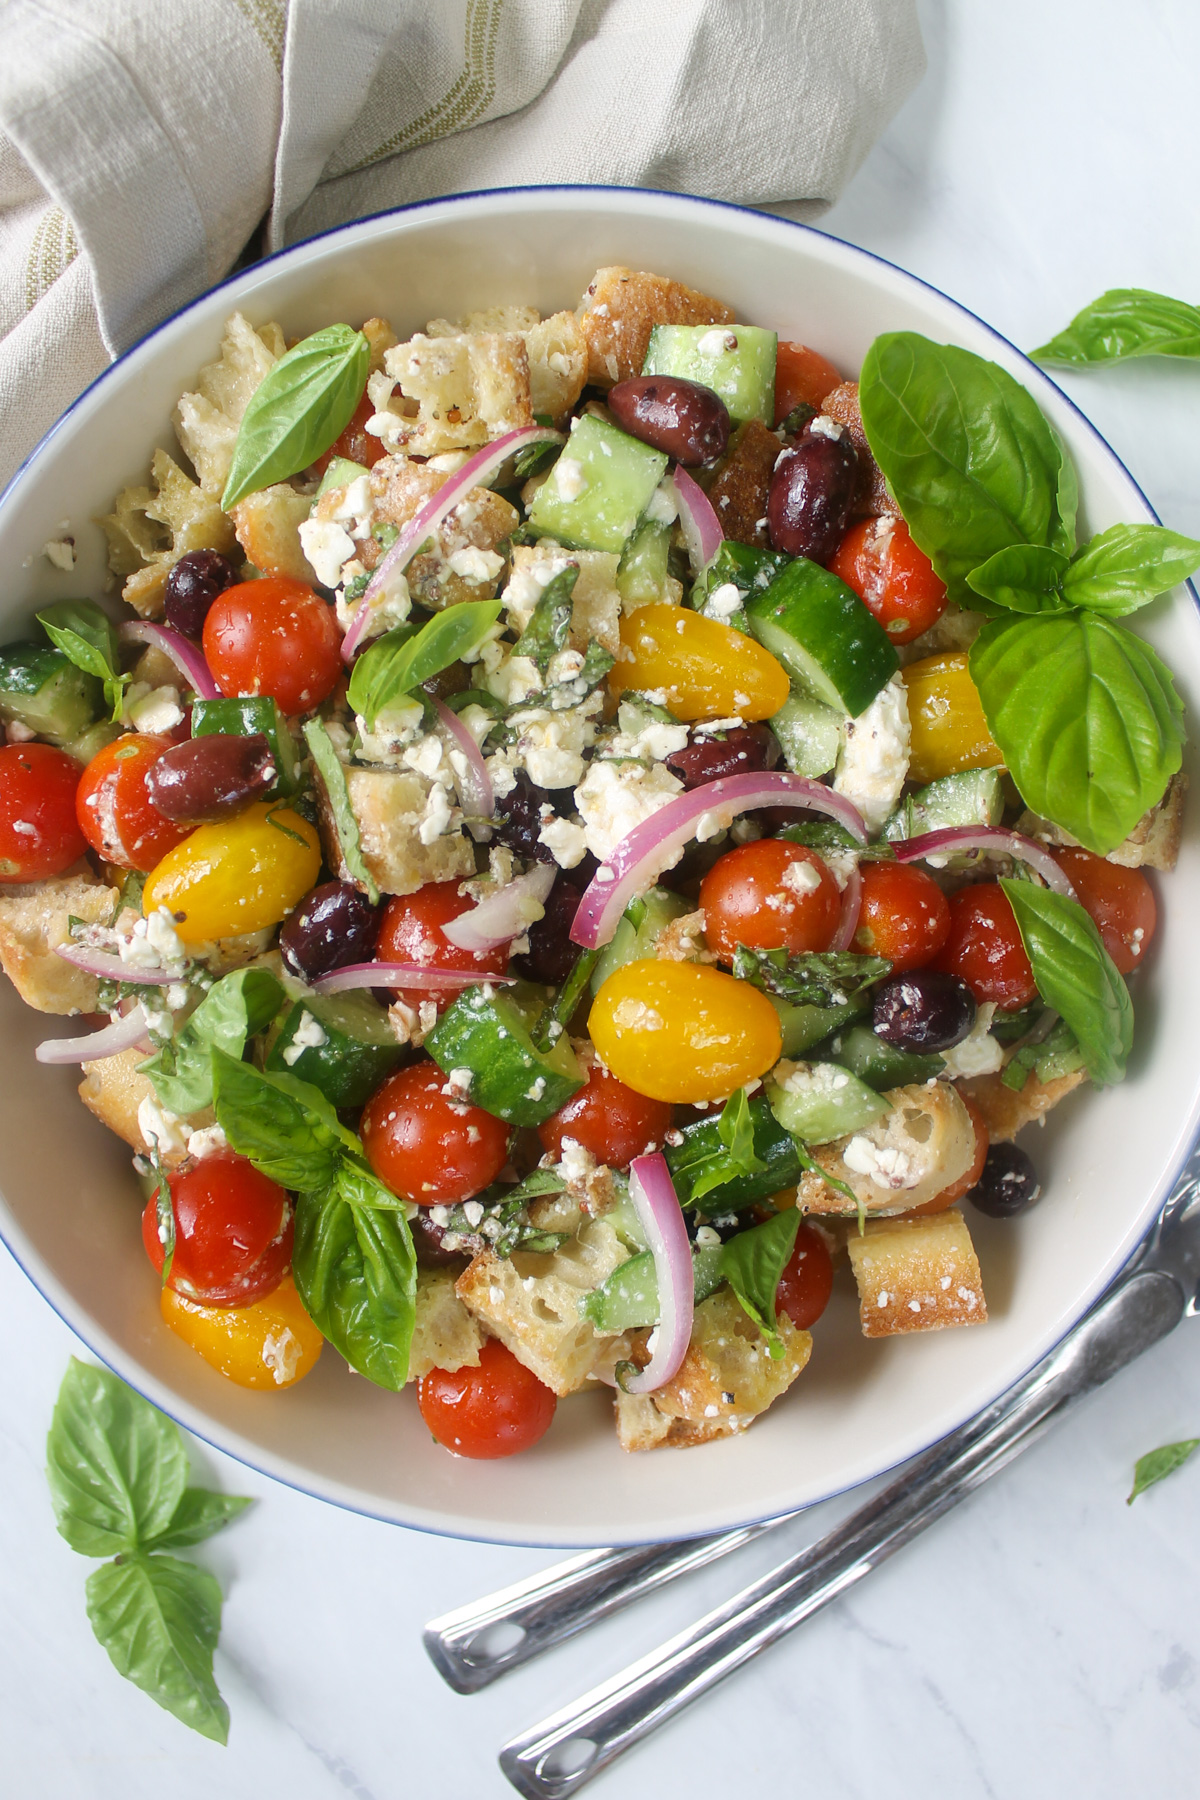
(1042, 1641)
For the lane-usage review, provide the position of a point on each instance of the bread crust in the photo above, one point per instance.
(916, 1274)
(620, 309)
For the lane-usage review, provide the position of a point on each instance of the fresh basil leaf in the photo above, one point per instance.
(550, 621)
(233, 1011)
(299, 408)
(400, 661)
(164, 1219)
(1122, 323)
(356, 1272)
(1126, 566)
(1023, 578)
(283, 1125)
(597, 661)
(1075, 975)
(1156, 1465)
(200, 1513)
(84, 632)
(536, 458)
(1086, 716)
(752, 1263)
(825, 834)
(569, 997)
(116, 1466)
(159, 1620)
(966, 451)
(735, 1129)
(820, 978)
(332, 777)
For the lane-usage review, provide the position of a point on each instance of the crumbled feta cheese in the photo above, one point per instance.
(563, 666)
(207, 1142)
(978, 1053)
(161, 1129)
(723, 602)
(824, 426)
(394, 730)
(355, 503)
(384, 611)
(801, 878)
(566, 841)
(513, 679)
(663, 508)
(327, 545)
(154, 709)
(716, 342)
(568, 478)
(614, 797)
(457, 1084)
(873, 760)
(61, 552)
(538, 1088)
(475, 565)
(438, 816)
(707, 1238)
(153, 942)
(310, 1034)
(281, 1352)
(818, 1081)
(887, 1167)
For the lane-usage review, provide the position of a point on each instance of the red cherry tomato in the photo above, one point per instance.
(116, 814)
(356, 442)
(427, 1144)
(233, 1232)
(614, 1122)
(39, 833)
(905, 915)
(412, 932)
(497, 1409)
(957, 1189)
(807, 1279)
(274, 636)
(769, 895)
(893, 579)
(802, 377)
(984, 948)
(1120, 902)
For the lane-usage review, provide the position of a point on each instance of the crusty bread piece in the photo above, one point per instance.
(445, 1336)
(380, 339)
(207, 420)
(871, 495)
(268, 529)
(1005, 1110)
(33, 919)
(1152, 844)
(918, 1149)
(739, 491)
(595, 602)
(620, 309)
(466, 390)
(519, 319)
(556, 348)
(725, 1381)
(150, 528)
(113, 1090)
(389, 805)
(916, 1274)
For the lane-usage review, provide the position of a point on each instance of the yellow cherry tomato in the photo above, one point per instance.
(272, 1344)
(683, 1031)
(949, 731)
(241, 875)
(709, 670)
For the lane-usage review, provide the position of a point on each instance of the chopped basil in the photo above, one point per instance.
(821, 978)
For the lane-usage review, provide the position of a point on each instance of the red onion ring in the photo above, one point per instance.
(657, 1205)
(986, 837)
(843, 937)
(501, 917)
(474, 473)
(701, 527)
(643, 853)
(121, 1034)
(111, 968)
(400, 975)
(475, 792)
(186, 656)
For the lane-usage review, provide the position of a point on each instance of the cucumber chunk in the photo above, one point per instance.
(42, 689)
(510, 1076)
(701, 1142)
(804, 1026)
(974, 797)
(642, 574)
(740, 566)
(598, 489)
(359, 1050)
(340, 473)
(628, 1298)
(809, 733)
(821, 632)
(879, 1064)
(818, 1102)
(735, 361)
(248, 718)
(638, 930)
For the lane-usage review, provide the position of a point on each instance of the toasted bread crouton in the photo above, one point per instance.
(1005, 1110)
(206, 421)
(150, 528)
(465, 563)
(739, 491)
(682, 940)
(541, 1324)
(34, 919)
(390, 806)
(1152, 844)
(621, 308)
(380, 339)
(871, 494)
(921, 1147)
(445, 1336)
(466, 390)
(916, 1274)
(725, 1381)
(113, 1090)
(268, 529)
(556, 348)
(519, 319)
(595, 602)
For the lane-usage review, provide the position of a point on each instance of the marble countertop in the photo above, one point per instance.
(1043, 1639)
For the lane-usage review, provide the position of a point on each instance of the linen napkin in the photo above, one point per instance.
(143, 141)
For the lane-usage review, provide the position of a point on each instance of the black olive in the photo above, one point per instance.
(1008, 1184)
(924, 1010)
(333, 925)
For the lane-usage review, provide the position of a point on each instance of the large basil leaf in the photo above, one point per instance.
(400, 661)
(116, 1466)
(355, 1270)
(299, 408)
(284, 1126)
(233, 1011)
(973, 464)
(1075, 975)
(345, 822)
(159, 1620)
(752, 1263)
(200, 1513)
(1022, 578)
(1126, 322)
(1126, 566)
(84, 632)
(1087, 718)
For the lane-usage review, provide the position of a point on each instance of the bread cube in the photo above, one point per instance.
(871, 493)
(380, 339)
(467, 390)
(621, 308)
(916, 1274)
(34, 919)
(389, 805)
(445, 1336)
(595, 602)
(921, 1147)
(207, 420)
(555, 347)
(268, 529)
(1006, 1110)
(150, 528)
(113, 1090)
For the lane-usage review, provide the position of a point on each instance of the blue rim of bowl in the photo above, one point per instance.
(112, 1357)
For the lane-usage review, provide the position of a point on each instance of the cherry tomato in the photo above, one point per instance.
(683, 1031)
(807, 1279)
(274, 636)
(949, 730)
(905, 915)
(233, 1232)
(707, 670)
(984, 948)
(496, 1409)
(957, 1189)
(356, 443)
(412, 932)
(802, 377)
(769, 895)
(269, 1344)
(240, 875)
(39, 833)
(116, 814)
(614, 1122)
(892, 578)
(426, 1143)
(1120, 902)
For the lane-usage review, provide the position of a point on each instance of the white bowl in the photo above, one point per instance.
(71, 1208)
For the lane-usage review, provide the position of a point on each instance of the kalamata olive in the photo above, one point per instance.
(684, 418)
(1008, 1184)
(742, 751)
(208, 778)
(193, 585)
(551, 953)
(924, 1010)
(812, 491)
(334, 925)
(521, 819)
(429, 1241)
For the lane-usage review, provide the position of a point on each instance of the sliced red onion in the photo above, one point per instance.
(475, 791)
(701, 527)
(121, 1034)
(643, 853)
(843, 937)
(502, 916)
(186, 656)
(110, 968)
(986, 837)
(474, 473)
(400, 975)
(657, 1206)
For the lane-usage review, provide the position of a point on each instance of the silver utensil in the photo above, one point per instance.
(555, 1758)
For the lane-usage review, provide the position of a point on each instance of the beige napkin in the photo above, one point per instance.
(142, 141)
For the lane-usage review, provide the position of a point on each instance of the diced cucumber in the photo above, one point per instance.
(738, 565)
(510, 1077)
(359, 1050)
(804, 1026)
(598, 489)
(89, 743)
(879, 1064)
(340, 473)
(42, 689)
(702, 1141)
(638, 930)
(629, 1299)
(821, 1101)
(821, 632)
(974, 797)
(642, 574)
(247, 718)
(735, 361)
(809, 733)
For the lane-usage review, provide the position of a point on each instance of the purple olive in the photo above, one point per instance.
(213, 777)
(924, 1010)
(192, 586)
(684, 418)
(1008, 1184)
(812, 491)
(551, 954)
(333, 925)
(521, 819)
(742, 751)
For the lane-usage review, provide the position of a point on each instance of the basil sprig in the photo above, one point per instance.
(300, 407)
(118, 1475)
(1122, 323)
(84, 632)
(737, 1155)
(395, 664)
(550, 621)
(1156, 1465)
(332, 777)
(752, 1263)
(818, 978)
(1117, 572)
(234, 1010)
(1075, 975)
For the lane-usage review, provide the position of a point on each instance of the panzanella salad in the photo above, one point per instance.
(585, 823)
